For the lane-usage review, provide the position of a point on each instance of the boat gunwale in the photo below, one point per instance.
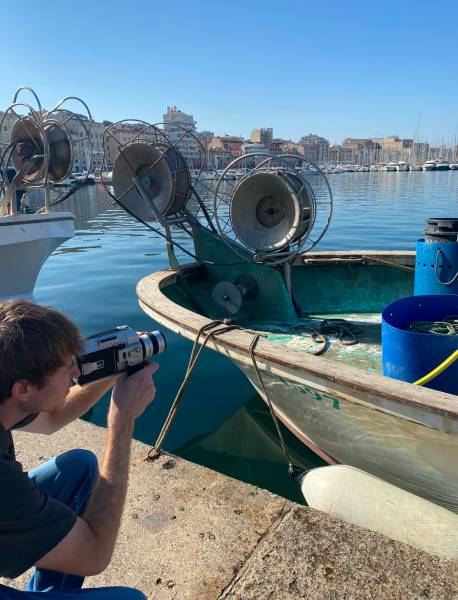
(35, 218)
(239, 340)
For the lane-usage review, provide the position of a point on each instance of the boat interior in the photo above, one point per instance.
(334, 309)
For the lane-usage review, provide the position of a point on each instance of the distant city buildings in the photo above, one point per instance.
(384, 149)
(363, 150)
(393, 142)
(262, 136)
(254, 147)
(223, 149)
(6, 128)
(205, 137)
(290, 147)
(359, 144)
(339, 154)
(176, 123)
(316, 148)
(220, 150)
(120, 135)
(219, 158)
(97, 130)
(276, 145)
(232, 143)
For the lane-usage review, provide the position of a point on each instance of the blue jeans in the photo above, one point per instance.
(69, 478)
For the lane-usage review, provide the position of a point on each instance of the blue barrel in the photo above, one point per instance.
(408, 355)
(436, 268)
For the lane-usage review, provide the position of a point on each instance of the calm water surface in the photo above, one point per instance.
(221, 422)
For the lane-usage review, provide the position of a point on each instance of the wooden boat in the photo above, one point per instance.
(337, 403)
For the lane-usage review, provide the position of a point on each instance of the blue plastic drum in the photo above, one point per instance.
(407, 355)
(436, 268)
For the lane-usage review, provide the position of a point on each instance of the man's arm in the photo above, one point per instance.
(78, 401)
(87, 548)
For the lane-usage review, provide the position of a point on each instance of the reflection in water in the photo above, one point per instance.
(64, 250)
(86, 204)
(246, 447)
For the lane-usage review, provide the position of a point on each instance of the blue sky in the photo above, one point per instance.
(359, 69)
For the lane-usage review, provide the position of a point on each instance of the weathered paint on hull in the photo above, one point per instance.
(351, 431)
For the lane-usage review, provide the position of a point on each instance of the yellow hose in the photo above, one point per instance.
(435, 372)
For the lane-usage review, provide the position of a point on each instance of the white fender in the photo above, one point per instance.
(367, 501)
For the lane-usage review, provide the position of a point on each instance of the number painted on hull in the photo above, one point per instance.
(306, 390)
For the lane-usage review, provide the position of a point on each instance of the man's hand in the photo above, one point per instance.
(132, 394)
(87, 548)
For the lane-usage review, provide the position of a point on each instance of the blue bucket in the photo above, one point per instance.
(436, 268)
(409, 356)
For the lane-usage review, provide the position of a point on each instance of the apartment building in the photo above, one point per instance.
(263, 136)
(316, 148)
(176, 123)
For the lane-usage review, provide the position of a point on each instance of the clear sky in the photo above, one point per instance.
(335, 68)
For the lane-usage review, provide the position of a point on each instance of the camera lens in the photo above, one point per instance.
(153, 343)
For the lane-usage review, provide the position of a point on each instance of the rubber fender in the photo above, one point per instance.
(367, 501)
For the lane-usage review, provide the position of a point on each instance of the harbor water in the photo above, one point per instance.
(221, 423)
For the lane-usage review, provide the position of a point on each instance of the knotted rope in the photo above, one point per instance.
(344, 331)
(448, 326)
(210, 330)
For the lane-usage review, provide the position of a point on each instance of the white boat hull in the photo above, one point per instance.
(353, 430)
(26, 241)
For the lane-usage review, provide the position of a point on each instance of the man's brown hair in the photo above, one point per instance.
(34, 342)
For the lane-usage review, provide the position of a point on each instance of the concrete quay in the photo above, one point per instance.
(191, 533)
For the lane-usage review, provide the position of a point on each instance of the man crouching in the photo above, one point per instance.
(63, 516)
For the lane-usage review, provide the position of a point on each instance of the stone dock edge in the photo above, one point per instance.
(191, 533)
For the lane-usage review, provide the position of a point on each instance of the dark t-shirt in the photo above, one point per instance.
(31, 523)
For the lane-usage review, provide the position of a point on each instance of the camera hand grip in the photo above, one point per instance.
(134, 369)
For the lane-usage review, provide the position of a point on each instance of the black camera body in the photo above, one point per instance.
(116, 351)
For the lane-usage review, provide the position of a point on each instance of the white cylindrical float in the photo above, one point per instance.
(367, 501)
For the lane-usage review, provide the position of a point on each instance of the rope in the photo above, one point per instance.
(436, 269)
(320, 338)
(210, 331)
(293, 471)
(345, 332)
(448, 326)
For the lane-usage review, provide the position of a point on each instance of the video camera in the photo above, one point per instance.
(117, 350)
